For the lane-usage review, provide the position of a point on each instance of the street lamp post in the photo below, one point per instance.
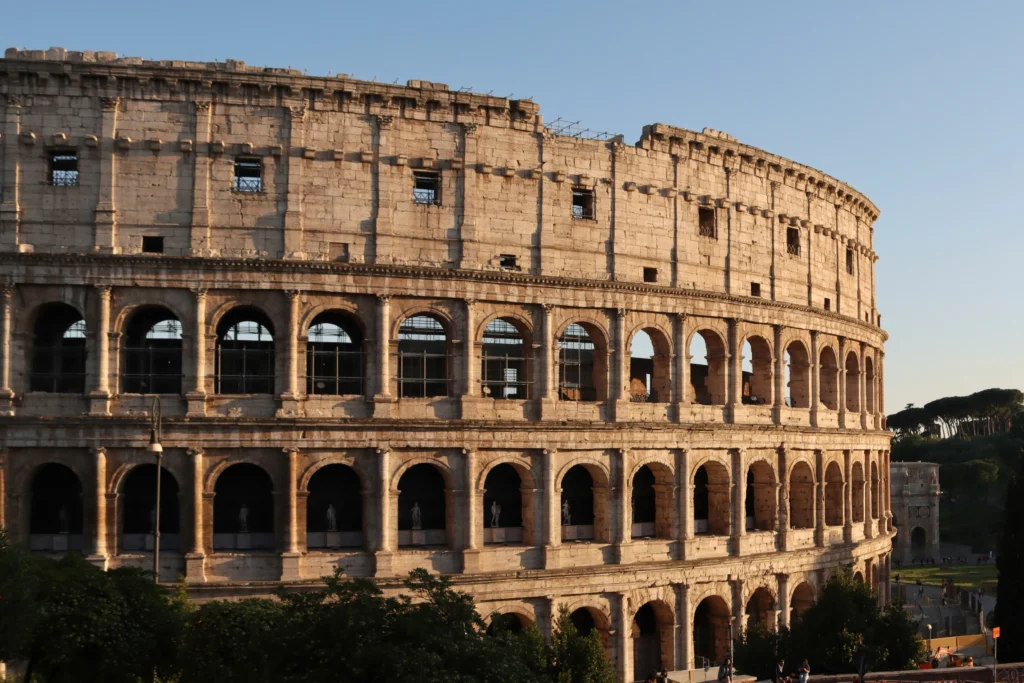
(156, 449)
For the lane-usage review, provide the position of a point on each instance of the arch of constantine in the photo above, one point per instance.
(401, 326)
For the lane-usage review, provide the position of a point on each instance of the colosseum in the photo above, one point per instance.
(392, 327)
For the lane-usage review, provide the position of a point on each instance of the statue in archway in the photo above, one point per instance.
(332, 518)
(243, 519)
(495, 514)
(417, 516)
(566, 514)
(62, 519)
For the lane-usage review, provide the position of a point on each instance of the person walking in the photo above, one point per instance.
(725, 671)
(780, 673)
(662, 677)
(804, 671)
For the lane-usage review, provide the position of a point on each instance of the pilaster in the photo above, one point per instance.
(290, 402)
(383, 224)
(619, 369)
(623, 504)
(779, 378)
(383, 399)
(106, 213)
(195, 560)
(10, 181)
(734, 370)
(6, 308)
(99, 397)
(552, 509)
(386, 545)
(469, 256)
(199, 229)
(622, 632)
(547, 368)
(815, 361)
(685, 620)
(473, 515)
(739, 493)
(291, 558)
(783, 601)
(197, 396)
(783, 470)
(98, 556)
(293, 200)
(847, 496)
(819, 498)
(680, 362)
(471, 392)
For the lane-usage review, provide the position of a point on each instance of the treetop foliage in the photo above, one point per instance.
(1010, 563)
(989, 411)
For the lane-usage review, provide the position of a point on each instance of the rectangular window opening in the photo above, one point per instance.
(248, 174)
(338, 252)
(583, 203)
(828, 304)
(508, 262)
(706, 222)
(650, 274)
(793, 241)
(849, 261)
(755, 289)
(64, 168)
(152, 245)
(426, 188)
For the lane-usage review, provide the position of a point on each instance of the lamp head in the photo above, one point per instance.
(154, 443)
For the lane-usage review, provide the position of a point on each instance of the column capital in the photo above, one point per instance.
(383, 298)
(298, 112)
(200, 292)
(13, 101)
(103, 291)
(684, 587)
(385, 121)
(382, 451)
(550, 452)
(782, 576)
(7, 291)
(196, 452)
(202, 107)
(547, 308)
(469, 303)
(99, 451)
(470, 129)
(289, 450)
(621, 313)
(292, 294)
(110, 103)
(467, 451)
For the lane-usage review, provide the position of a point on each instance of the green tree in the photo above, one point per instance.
(1010, 563)
(20, 575)
(575, 658)
(233, 642)
(758, 649)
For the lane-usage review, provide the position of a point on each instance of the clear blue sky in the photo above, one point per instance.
(916, 104)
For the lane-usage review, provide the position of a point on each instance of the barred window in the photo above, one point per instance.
(64, 168)
(706, 226)
(422, 358)
(849, 261)
(334, 356)
(58, 351)
(576, 365)
(245, 353)
(152, 353)
(583, 203)
(505, 362)
(426, 187)
(248, 174)
(793, 241)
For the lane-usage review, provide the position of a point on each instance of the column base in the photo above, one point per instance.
(738, 545)
(383, 405)
(99, 403)
(548, 409)
(552, 555)
(384, 563)
(98, 560)
(471, 407)
(620, 410)
(783, 542)
(623, 553)
(195, 568)
(288, 405)
(847, 534)
(291, 566)
(470, 561)
(196, 404)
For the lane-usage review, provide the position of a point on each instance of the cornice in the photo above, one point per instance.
(183, 263)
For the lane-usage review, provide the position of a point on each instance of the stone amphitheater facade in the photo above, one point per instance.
(357, 300)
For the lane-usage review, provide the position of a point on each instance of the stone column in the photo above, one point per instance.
(623, 636)
(295, 156)
(383, 225)
(619, 369)
(547, 368)
(734, 370)
(474, 515)
(291, 558)
(841, 379)
(623, 502)
(783, 474)
(815, 361)
(10, 182)
(289, 399)
(199, 230)
(783, 601)
(738, 608)
(105, 213)
(685, 628)
(685, 500)
(6, 393)
(847, 496)
(197, 396)
(386, 545)
(862, 386)
(195, 570)
(887, 498)
(99, 398)
(681, 374)
(471, 389)
(3, 488)
(739, 505)
(553, 510)
(779, 378)
(382, 397)
(880, 395)
(819, 498)
(99, 548)
(469, 256)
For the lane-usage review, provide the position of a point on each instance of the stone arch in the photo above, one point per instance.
(859, 578)
(802, 597)
(801, 496)
(711, 497)
(505, 346)
(652, 632)
(586, 507)
(59, 352)
(243, 508)
(521, 322)
(760, 608)
(828, 372)
(245, 357)
(506, 505)
(441, 314)
(582, 351)
(424, 353)
(512, 618)
(761, 509)
(869, 384)
(521, 464)
(213, 474)
(341, 306)
(834, 500)
(711, 618)
(586, 615)
(650, 379)
(798, 371)
(919, 543)
(152, 350)
(652, 508)
(874, 490)
(446, 471)
(708, 385)
(56, 508)
(852, 366)
(334, 507)
(251, 300)
(758, 388)
(335, 353)
(857, 482)
(425, 505)
(333, 459)
(137, 505)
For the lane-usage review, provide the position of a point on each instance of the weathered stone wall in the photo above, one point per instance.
(915, 504)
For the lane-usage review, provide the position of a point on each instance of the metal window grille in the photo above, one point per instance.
(583, 203)
(504, 363)
(334, 362)
(248, 174)
(245, 360)
(576, 365)
(154, 366)
(426, 187)
(793, 242)
(64, 169)
(706, 223)
(60, 367)
(422, 358)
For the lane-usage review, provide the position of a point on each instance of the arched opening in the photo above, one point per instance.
(803, 597)
(510, 622)
(711, 500)
(422, 507)
(138, 512)
(858, 492)
(711, 631)
(874, 490)
(334, 508)
(578, 513)
(503, 505)
(55, 517)
(651, 502)
(587, 619)
(152, 353)
(243, 509)
(798, 376)
(505, 361)
(423, 368)
(707, 380)
(919, 544)
(852, 383)
(58, 351)
(833, 495)
(829, 378)
(245, 352)
(761, 499)
(757, 371)
(334, 355)
(650, 379)
(760, 610)
(869, 385)
(859, 578)
(582, 364)
(652, 640)
(801, 497)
